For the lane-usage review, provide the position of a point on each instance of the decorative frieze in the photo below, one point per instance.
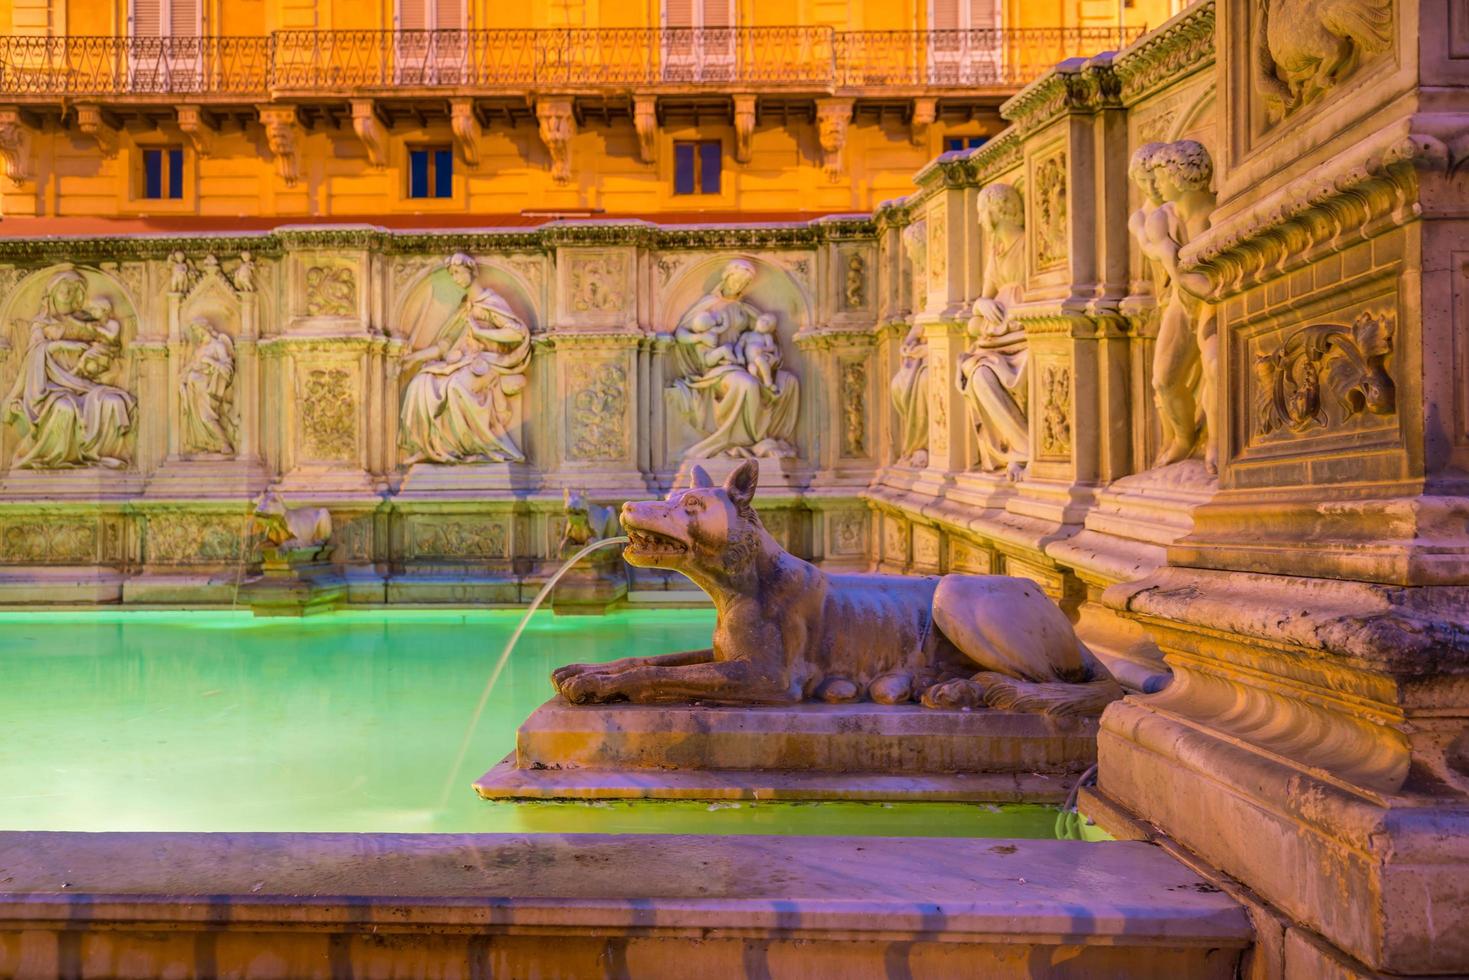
(1163, 58)
(48, 540)
(463, 538)
(185, 538)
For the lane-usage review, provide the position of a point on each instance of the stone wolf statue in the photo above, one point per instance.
(585, 522)
(787, 631)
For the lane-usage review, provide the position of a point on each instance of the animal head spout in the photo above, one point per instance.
(701, 530)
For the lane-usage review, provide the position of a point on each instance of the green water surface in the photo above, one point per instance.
(220, 721)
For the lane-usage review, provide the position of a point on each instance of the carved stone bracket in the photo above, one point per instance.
(467, 131)
(97, 124)
(281, 132)
(925, 111)
(15, 146)
(368, 126)
(197, 128)
(744, 122)
(558, 126)
(645, 121)
(832, 117)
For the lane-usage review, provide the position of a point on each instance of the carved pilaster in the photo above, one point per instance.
(744, 123)
(281, 132)
(557, 126)
(645, 121)
(925, 111)
(195, 124)
(368, 126)
(93, 122)
(465, 124)
(832, 117)
(15, 146)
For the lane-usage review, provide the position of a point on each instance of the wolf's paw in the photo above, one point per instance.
(561, 675)
(838, 690)
(590, 688)
(960, 693)
(894, 688)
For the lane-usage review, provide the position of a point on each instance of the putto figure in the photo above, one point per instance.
(994, 373)
(1175, 179)
(787, 631)
(205, 391)
(457, 409)
(728, 385)
(67, 414)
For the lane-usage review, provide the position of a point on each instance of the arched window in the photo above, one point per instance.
(699, 40)
(964, 46)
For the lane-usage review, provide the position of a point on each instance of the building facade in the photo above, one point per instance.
(176, 113)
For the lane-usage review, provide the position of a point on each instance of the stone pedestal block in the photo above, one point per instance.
(860, 751)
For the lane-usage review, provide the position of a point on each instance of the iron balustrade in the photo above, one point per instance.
(368, 62)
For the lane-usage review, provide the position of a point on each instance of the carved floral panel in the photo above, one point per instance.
(47, 540)
(596, 410)
(938, 403)
(1326, 376)
(327, 403)
(178, 538)
(848, 532)
(854, 408)
(1055, 420)
(894, 538)
(852, 281)
(330, 290)
(1048, 216)
(458, 537)
(938, 248)
(927, 547)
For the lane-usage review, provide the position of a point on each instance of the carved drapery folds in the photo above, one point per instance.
(206, 391)
(457, 405)
(557, 127)
(1323, 375)
(729, 383)
(1305, 47)
(1177, 202)
(994, 371)
(68, 401)
(909, 391)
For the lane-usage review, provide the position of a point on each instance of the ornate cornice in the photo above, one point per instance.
(1076, 85)
(1163, 57)
(1004, 152)
(1350, 198)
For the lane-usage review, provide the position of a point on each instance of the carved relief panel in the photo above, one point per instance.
(597, 287)
(1055, 411)
(854, 280)
(596, 408)
(326, 412)
(1048, 218)
(325, 286)
(847, 533)
(854, 440)
(44, 538)
(461, 537)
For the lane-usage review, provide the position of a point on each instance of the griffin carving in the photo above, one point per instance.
(1304, 47)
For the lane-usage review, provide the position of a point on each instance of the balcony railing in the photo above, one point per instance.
(303, 63)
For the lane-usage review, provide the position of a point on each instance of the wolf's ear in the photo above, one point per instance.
(741, 483)
(699, 478)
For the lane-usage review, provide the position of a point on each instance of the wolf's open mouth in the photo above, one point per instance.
(653, 543)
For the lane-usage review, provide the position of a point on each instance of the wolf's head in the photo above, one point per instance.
(703, 531)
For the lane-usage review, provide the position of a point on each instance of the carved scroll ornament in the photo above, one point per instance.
(1326, 374)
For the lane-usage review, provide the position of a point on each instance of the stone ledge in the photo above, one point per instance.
(506, 782)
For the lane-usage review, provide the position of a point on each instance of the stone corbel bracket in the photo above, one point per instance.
(197, 127)
(744, 124)
(282, 135)
(645, 121)
(1350, 198)
(465, 123)
(557, 127)
(100, 126)
(832, 118)
(925, 112)
(368, 124)
(15, 145)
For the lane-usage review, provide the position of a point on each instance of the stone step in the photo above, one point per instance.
(305, 905)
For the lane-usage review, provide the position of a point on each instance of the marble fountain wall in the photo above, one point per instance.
(1187, 344)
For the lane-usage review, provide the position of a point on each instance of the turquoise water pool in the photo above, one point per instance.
(213, 721)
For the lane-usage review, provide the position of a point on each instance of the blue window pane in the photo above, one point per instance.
(683, 168)
(443, 173)
(709, 160)
(977, 141)
(952, 143)
(153, 173)
(176, 174)
(418, 173)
